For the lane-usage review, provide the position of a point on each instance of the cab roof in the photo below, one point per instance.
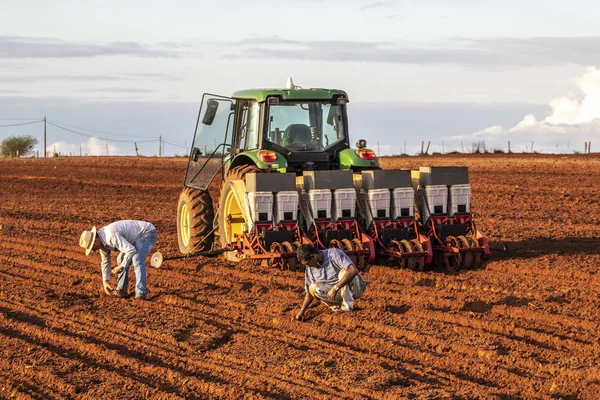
(261, 95)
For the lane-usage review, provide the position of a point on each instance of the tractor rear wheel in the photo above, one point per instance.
(195, 216)
(228, 206)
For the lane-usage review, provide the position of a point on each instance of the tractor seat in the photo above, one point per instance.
(296, 133)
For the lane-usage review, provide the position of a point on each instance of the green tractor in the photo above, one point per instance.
(275, 133)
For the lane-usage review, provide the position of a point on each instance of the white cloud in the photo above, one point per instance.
(574, 117)
(93, 147)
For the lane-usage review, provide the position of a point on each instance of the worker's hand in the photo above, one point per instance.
(331, 294)
(300, 316)
(117, 269)
(107, 289)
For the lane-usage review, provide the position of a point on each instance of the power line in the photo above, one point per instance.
(105, 139)
(19, 119)
(96, 131)
(174, 144)
(23, 123)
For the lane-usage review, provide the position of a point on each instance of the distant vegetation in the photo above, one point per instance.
(17, 146)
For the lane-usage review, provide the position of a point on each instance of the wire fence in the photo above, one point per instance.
(111, 143)
(105, 143)
(480, 146)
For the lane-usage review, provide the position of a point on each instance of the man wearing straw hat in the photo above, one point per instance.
(134, 241)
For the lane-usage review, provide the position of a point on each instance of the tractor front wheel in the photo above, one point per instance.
(195, 216)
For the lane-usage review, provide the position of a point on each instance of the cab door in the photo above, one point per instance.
(212, 140)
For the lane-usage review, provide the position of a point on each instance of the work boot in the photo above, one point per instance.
(121, 293)
(140, 297)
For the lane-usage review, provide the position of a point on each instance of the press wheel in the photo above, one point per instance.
(290, 262)
(395, 262)
(411, 261)
(467, 255)
(417, 247)
(452, 261)
(276, 262)
(299, 267)
(477, 255)
(360, 265)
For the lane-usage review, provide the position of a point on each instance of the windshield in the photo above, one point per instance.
(308, 126)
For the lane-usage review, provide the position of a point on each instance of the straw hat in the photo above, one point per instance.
(87, 240)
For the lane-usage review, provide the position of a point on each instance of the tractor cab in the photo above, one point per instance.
(309, 133)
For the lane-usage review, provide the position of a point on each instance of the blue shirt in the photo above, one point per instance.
(334, 261)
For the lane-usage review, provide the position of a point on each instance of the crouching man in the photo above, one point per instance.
(330, 277)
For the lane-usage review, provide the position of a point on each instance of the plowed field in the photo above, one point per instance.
(525, 325)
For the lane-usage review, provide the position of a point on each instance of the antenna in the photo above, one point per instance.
(290, 84)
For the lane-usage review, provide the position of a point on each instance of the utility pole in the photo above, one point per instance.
(159, 145)
(136, 149)
(44, 136)
(80, 151)
(509, 146)
(532, 146)
(422, 146)
(427, 150)
(106, 148)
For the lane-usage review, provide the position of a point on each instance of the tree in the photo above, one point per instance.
(17, 146)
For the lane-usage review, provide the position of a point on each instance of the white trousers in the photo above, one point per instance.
(344, 298)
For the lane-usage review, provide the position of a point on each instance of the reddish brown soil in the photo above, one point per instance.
(523, 326)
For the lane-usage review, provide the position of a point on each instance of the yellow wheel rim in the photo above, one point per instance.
(184, 223)
(235, 225)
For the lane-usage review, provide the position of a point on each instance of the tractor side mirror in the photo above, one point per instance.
(211, 111)
(196, 153)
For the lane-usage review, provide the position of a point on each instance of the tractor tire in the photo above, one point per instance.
(195, 214)
(236, 173)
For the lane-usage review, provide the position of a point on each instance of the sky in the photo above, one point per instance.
(108, 73)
